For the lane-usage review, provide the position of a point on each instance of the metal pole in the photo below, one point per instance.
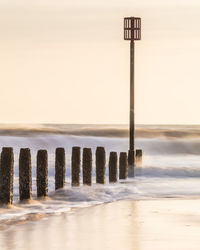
(132, 101)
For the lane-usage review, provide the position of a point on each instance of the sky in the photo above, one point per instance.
(65, 61)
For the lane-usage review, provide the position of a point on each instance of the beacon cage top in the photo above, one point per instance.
(132, 28)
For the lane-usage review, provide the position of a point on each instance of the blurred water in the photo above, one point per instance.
(171, 165)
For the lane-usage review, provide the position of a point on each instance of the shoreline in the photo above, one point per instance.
(159, 224)
(29, 217)
(6, 224)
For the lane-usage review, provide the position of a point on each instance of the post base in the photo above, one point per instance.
(131, 163)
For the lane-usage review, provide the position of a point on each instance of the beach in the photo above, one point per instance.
(99, 137)
(140, 225)
(158, 209)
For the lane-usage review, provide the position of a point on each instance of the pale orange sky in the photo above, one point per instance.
(66, 61)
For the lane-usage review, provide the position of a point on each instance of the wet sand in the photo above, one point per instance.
(130, 225)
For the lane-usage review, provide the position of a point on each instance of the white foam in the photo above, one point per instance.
(170, 169)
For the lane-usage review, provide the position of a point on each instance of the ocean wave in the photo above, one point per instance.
(171, 168)
(68, 199)
(142, 131)
(168, 172)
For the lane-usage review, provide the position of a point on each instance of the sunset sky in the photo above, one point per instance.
(65, 61)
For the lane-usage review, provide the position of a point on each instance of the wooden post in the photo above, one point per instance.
(131, 158)
(76, 161)
(113, 167)
(60, 168)
(6, 176)
(123, 165)
(87, 166)
(138, 157)
(100, 165)
(131, 163)
(42, 173)
(25, 174)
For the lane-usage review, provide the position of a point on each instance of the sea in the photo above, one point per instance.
(170, 168)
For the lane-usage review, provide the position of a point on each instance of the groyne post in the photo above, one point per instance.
(113, 167)
(131, 163)
(76, 161)
(6, 176)
(87, 166)
(131, 158)
(138, 157)
(123, 165)
(42, 173)
(100, 165)
(25, 174)
(60, 168)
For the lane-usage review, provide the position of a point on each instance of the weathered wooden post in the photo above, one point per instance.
(6, 176)
(25, 174)
(60, 168)
(76, 161)
(113, 167)
(100, 165)
(131, 163)
(131, 158)
(87, 166)
(42, 173)
(138, 157)
(123, 165)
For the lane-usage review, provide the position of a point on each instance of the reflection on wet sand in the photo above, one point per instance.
(131, 225)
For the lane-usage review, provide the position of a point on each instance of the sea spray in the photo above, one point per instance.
(171, 168)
